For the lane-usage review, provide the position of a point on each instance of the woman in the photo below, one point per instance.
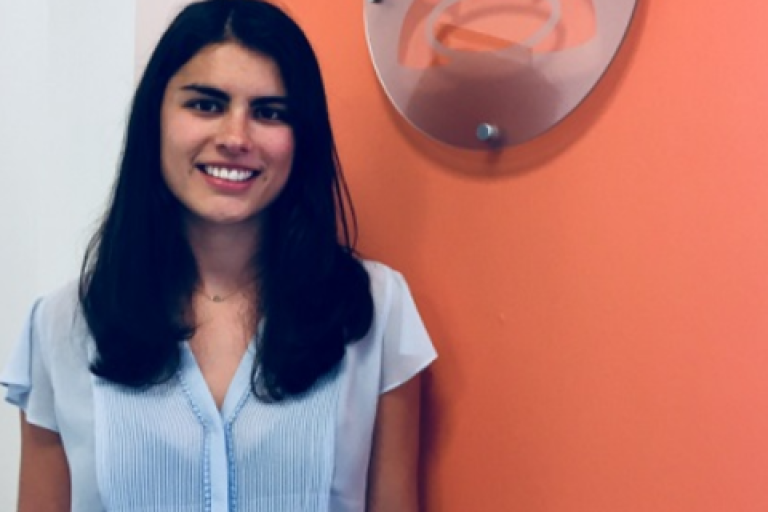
(225, 349)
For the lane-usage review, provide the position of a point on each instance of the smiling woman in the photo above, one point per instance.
(224, 115)
(224, 336)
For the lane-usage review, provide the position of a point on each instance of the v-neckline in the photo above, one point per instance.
(237, 391)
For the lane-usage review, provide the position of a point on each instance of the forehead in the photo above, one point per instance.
(233, 68)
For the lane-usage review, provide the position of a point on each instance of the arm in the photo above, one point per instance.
(44, 477)
(393, 474)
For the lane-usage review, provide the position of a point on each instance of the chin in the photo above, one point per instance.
(229, 220)
(222, 218)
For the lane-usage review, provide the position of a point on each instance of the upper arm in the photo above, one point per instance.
(44, 484)
(393, 473)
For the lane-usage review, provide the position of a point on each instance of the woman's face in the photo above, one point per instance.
(226, 143)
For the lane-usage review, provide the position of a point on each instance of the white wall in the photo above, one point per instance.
(152, 17)
(66, 76)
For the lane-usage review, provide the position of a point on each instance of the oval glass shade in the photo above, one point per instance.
(482, 73)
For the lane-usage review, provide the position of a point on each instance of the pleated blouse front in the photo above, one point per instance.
(170, 449)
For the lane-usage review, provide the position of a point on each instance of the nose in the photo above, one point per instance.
(234, 137)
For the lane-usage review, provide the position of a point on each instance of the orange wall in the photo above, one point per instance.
(599, 296)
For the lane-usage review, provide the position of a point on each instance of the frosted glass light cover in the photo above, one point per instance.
(479, 73)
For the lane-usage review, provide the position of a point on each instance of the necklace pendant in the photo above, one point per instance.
(217, 298)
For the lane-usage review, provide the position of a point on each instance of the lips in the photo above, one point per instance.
(228, 173)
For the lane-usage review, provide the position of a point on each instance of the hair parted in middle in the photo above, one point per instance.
(139, 274)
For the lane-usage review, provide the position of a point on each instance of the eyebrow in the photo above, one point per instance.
(223, 96)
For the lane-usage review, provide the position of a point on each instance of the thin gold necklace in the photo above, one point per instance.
(220, 298)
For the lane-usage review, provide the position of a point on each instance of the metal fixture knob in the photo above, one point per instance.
(487, 132)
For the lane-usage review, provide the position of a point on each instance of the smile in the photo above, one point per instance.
(227, 173)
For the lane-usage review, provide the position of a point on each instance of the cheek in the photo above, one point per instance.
(282, 156)
(283, 150)
(172, 137)
(173, 161)
(179, 144)
(167, 143)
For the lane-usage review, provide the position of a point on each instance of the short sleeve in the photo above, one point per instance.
(407, 348)
(27, 378)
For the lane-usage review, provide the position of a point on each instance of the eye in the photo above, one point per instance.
(206, 106)
(270, 113)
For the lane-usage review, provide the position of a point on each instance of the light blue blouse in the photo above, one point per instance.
(170, 449)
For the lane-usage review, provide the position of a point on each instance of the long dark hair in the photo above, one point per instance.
(139, 273)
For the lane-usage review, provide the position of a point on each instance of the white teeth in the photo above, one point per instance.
(228, 174)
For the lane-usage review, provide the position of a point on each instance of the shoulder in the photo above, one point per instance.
(389, 288)
(384, 280)
(392, 296)
(61, 304)
(48, 354)
(64, 296)
(403, 344)
(57, 315)
(376, 268)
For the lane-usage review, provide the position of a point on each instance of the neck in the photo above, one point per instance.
(224, 255)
